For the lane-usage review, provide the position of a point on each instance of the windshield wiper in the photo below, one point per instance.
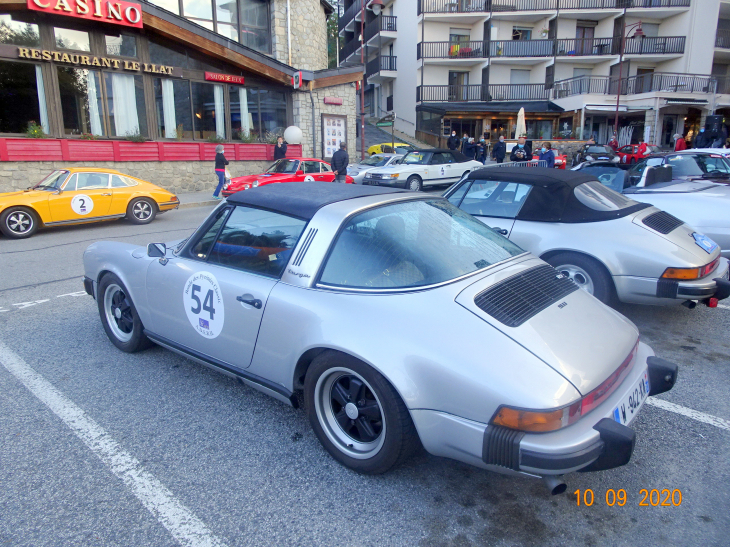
(715, 175)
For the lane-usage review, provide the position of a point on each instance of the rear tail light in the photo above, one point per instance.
(542, 421)
(691, 273)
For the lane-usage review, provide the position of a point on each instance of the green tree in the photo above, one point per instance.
(332, 30)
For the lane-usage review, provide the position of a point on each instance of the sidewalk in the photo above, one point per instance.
(196, 199)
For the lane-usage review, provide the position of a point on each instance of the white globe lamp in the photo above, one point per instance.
(293, 135)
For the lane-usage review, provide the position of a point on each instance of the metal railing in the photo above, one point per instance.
(349, 48)
(451, 93)
(580, 85)
(654, 45)
(485, 6)
(523, 5)
(533, 163)
(452, 6)
(381, 62)
(349, 15)
(583, 46)
(521, 48)
(451, 50)
(518, 92)
(664, 81)
(722, 38)
(379, 24)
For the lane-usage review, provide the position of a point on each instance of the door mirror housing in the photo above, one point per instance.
(156, 250)
(299, 173)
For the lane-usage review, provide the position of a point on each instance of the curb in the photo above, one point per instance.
(199, 204)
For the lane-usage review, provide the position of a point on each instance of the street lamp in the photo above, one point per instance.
(637, 34)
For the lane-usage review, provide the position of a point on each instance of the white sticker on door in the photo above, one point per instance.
(203, 303)
(82, 204)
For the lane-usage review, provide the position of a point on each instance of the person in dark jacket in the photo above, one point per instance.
(521, 152)
(340, 161)
(470, 149)
(702, 140)
(220, 170)
(500, 150)
(547, 154)
(280, 149)
(453, 141)
(464, 142)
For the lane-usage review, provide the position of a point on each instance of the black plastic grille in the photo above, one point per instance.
(522, 296)
(662, 222)
(501, 446)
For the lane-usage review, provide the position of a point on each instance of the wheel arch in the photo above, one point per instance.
(141, 195)
(554, 252)
(28, 207)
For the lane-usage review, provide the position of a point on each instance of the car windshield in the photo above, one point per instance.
(613, 177)
(52, 181)
(403, 149)
(375, 161)
(596, 196)
(415, 158)
(599, 150)
(412, 244)
(284, 166)
(697, 165)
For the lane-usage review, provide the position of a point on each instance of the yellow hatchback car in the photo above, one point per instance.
(81, 195)
(387, 148)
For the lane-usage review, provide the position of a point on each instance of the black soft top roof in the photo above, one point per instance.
(552, 198)
(458, 155)
(304, 199)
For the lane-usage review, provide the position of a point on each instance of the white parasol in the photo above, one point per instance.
(520, 128)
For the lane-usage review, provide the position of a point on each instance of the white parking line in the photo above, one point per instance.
(723, 306)
(694, 414)
(184, 526)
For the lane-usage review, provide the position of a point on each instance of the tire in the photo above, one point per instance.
(119, 316)
(19, 222)
(372, 442)
(587, 273)
(414, 183)
(141, 211)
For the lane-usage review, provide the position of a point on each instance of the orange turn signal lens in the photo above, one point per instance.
(681, 273)
(536, 421)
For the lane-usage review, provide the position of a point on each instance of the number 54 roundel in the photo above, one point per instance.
(203, 303)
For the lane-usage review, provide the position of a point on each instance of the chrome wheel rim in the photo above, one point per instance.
(118, 311)
(19, 222)
(413, 185)
(350, 413)
(142, 210)
(579, 276)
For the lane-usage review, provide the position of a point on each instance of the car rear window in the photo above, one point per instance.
(599, 150)
(412, 244)
(596, 196)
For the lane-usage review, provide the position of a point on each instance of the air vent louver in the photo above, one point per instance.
(662, 222)
(520, 297)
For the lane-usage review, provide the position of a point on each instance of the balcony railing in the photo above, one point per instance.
(483, 93)
(381, 62)
(349, 15)
(348, 49)
(451, 50)
(654, 45)
(580, 86)
(521, 48)
(485, 6)
(380, 23)
(583, 46)
(722, 38)
(518, 92)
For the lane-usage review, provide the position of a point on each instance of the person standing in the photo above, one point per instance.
(220, 170)
(464, 142)
(643, 150)
(280, 149)
(453, 141)
(521, 152)
(547, 154)
(613, 143)
(340, 161)
(500, 150)
(679, 143)
(701, 140)
(470, 149)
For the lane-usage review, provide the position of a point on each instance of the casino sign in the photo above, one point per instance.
(128, 14)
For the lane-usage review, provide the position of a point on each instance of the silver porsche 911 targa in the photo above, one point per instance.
(398, 319)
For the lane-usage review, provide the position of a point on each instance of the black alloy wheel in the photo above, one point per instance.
(141, 211)
(18, 222)
(119, 316)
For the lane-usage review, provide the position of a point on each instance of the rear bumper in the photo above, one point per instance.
(647, 290)
(395, 183)
(89, 286)
(594, 443)
(169, 205)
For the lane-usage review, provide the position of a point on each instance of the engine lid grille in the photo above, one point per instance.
(662, 222)
(522, 296)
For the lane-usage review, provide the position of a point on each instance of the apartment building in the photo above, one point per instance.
(470, 65)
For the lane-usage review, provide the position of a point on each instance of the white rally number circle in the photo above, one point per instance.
(82, 204)
(203, 301)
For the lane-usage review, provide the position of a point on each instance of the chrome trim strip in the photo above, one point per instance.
(82, 221)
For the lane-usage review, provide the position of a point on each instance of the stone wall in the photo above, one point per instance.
(302, 111)
(176, 176)
(308, 33)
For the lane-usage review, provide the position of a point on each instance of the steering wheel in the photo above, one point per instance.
(605, 178)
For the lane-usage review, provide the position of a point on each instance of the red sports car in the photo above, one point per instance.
(561, 160)
(285, 170)
(630, 152)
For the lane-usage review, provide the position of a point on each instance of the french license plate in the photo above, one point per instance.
(629, 406)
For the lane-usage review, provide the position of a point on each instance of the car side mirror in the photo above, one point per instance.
(299, 173)
(156, 250)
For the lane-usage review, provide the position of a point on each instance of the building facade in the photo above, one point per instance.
(469, 65)
(187, 71)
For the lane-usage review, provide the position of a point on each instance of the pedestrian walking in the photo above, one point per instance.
(679, 143)
(482, 151)
(280, 149)
(453, 141)
(340, 161)
(220, 170)
(500, 150)
(521, 152)
(643, 150)
(547, 154)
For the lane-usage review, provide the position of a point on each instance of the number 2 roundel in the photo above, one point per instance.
(203, 301)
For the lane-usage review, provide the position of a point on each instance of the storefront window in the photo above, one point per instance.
(255, 31)
(539, 129)
(67, 38)
(121, 45)
(244, 113)
(125, 105)
(226, 16)
(81, 102)
(172, 105)
(22, 97)
(18, 32)
(209, 111)
(162, 55)
(273, 111)
(169, 5)
(199, 11)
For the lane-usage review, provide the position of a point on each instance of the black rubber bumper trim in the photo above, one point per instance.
(666, 288)
(501, 446)
(555, 462)
(723, 288)
(662, 375)
(697, 293)
(619, 442)
(89, 287)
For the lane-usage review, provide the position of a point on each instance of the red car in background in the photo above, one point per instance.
(560, 160)
(630, 152)
(285, 170)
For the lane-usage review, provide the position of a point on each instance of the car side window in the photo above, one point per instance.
(495, 199)
(70, 184)
(122, 182)
(455, 198)
(310, 167)
(325, 168)
(91, 181)
(448, 157)
(627, 149)
(202, 248)
(256, 241)
(437, 159)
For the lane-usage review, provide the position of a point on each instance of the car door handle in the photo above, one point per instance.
(255, 302)
(500, 231)
(109, 194)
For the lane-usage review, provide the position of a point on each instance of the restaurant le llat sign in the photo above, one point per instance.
(118, 13)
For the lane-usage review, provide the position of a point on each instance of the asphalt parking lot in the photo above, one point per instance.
(99, 447)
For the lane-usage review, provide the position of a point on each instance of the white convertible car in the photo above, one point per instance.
(419, 168)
